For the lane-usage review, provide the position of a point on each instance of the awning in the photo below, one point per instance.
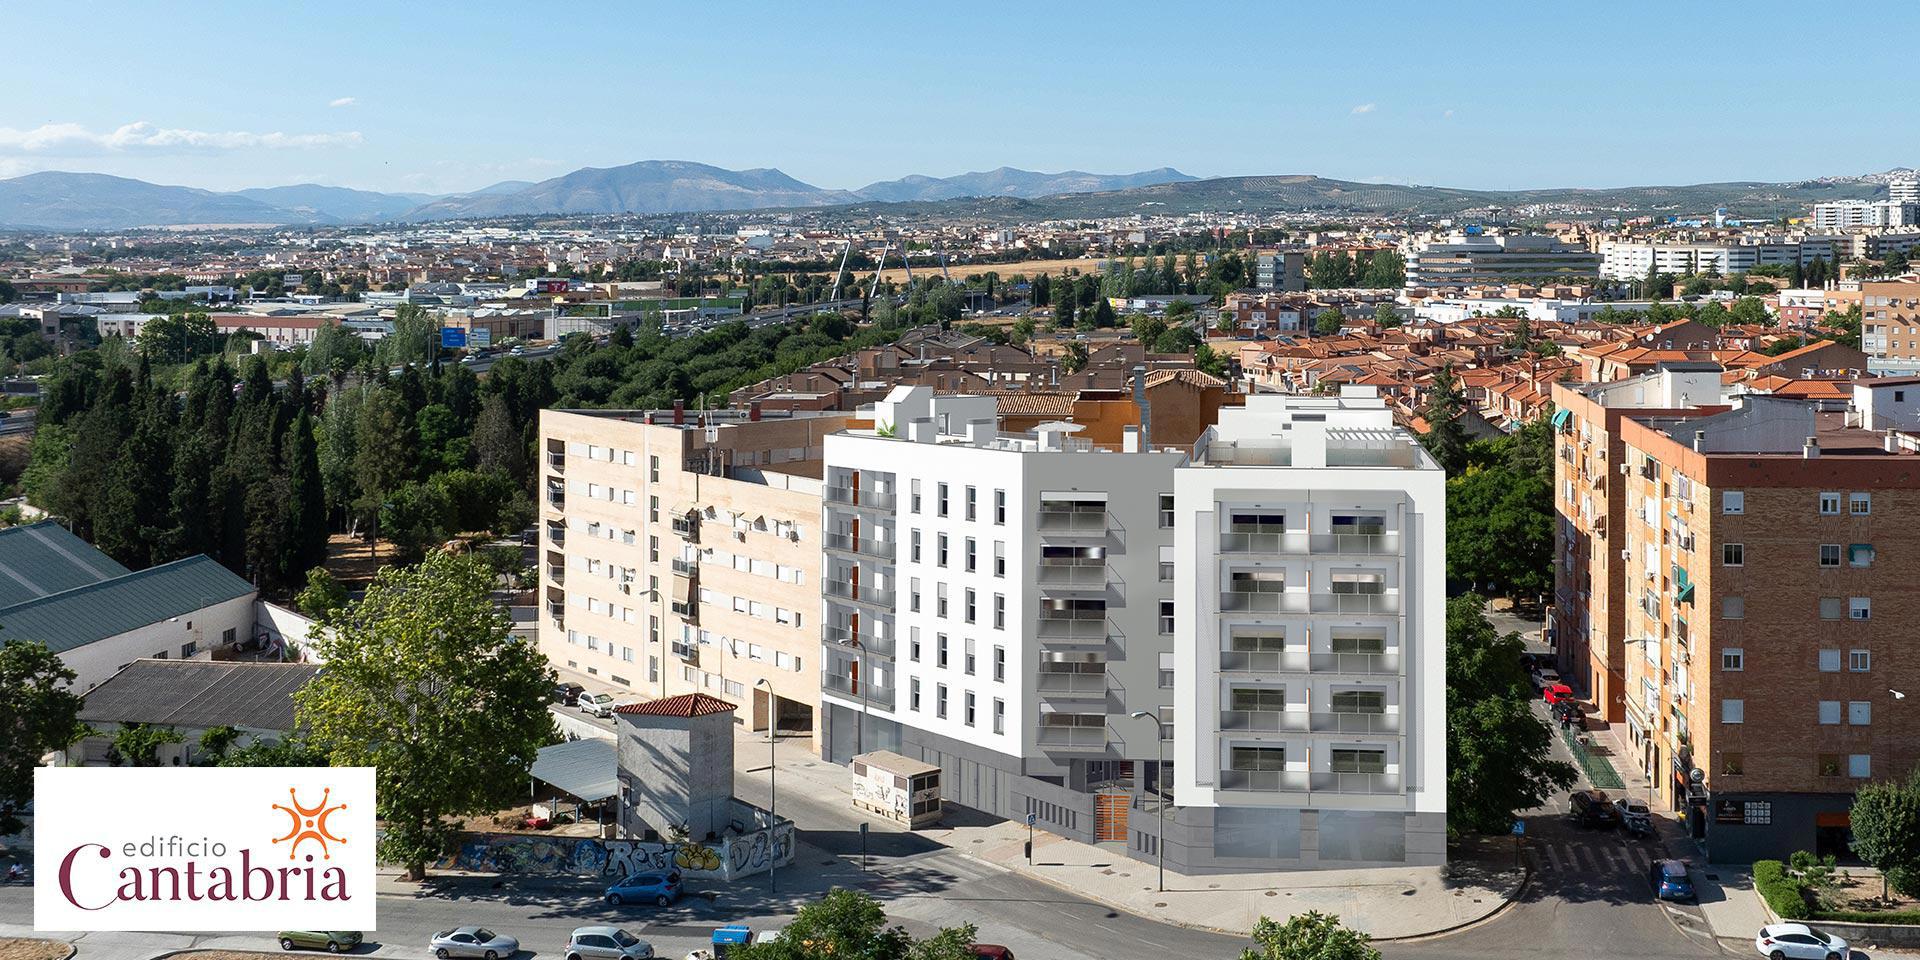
(1560, 418)
(682, 589)
(584, 769)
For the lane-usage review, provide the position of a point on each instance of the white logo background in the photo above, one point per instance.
(116, 806)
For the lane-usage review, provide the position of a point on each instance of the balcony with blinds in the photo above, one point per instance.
(1071, 731)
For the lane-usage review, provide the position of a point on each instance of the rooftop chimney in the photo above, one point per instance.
(1699, 441)
(753, 410)
(1892, 442)
(679, 412)
(1146, 410)
(1811, 449)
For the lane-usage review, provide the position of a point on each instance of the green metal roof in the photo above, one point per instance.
(96, 611)
(41, 559)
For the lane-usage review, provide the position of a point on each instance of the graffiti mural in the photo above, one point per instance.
(742, 855)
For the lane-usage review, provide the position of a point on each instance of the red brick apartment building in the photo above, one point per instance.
(1734, 584)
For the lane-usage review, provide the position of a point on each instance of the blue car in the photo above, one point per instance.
(1671, 880)
(657, 888)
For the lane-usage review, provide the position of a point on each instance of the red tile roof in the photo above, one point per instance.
(684, 705)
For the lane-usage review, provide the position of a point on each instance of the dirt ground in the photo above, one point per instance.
(21, 949)
(352, 561)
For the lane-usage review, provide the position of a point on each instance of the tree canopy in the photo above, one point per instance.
(1499, 752)
(40, 714)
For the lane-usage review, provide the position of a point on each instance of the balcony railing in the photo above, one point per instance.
(556, 573)
(1278, 542)
(1072, 737)
(874, 646)
(1357, 722)
(1072, 684)
(1363, 544)
(1388, 663)
(558, 461)
(859, 593)
(1234, 601)
(1087, 576)
(855, 497)
(1263, 780)
(1356, 603)
(687, 528)
(558, 611)
(1087, 523)
(1356, 782)
(866, 690)
(685, 568)
(1257, 720)
(1073, 628)
(847, 543)
(1263, 661)
(556, 498)
(556, 535)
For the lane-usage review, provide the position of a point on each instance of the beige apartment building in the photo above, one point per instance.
(680, 552)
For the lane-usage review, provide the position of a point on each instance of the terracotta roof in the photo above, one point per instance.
(684, 705)
(1194, 378)
(1050, 404)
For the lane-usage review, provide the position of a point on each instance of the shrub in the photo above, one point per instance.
(1904, 881)
(1783, 893)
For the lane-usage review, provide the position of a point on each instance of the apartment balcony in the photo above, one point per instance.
(558, 611)
(859, 499)
(1072, 577)
(686, 651)
(1066, 523)
(687, 527)
(1267, 780)
(1356, 603)
(860, 546)
(855, 642)
(556, 497)
(1275, 543)
(1235, 601)
(556, 573)
(1269, 721)
(1356, 723)
(1263, 661)
(1359, 663)
(1072, 686)
(556, 534)
(1355, 782)
(685, 568)
(1356, 544)
(859, 593)
(1064, 737)
(864, 690)
(1073, 629)
(558, 461)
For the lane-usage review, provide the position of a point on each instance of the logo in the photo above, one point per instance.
(204, 849)
(309, 824)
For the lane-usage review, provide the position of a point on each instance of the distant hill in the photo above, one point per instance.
(96, 201)
(650, 186)
(504, 186)
(337, 203)
(1012, 182)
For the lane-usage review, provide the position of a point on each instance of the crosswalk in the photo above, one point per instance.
(1598, 855)
(944, 866)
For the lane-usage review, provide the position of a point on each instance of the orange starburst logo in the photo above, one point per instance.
(309, 823)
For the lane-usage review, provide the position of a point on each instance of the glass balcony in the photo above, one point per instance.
(1268, 542)
(859, 498)
(867, 690)
(556, 534)
(859, 593)
(1073, 628)
(556, 573)
(847, 543)
(1272, 721)
(556, 498)
(558, 461)
(1086, 685)
(855, 642)
(1357, 544)
(1263, 661)
(1370, 663)
(1356, 782)
(558, 611)
(1072, 737)
(1356, 603)
(1077, 576)
(1263, 779)
(1234, 601)
(1072, 522)
(1356, 722)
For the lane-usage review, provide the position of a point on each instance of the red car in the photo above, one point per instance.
(990, 951)
(1557, 692)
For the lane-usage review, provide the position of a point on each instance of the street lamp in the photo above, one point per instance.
(1160, 806)
(773, 717)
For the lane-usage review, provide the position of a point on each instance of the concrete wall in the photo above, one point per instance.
(675, 772)
(737, 856)
(93, 663)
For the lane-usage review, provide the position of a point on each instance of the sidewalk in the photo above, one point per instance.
(1387, 903)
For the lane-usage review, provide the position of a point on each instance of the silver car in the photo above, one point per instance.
(606, 943)
(473, 942)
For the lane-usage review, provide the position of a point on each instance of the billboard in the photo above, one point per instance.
(453, 338)
(480, 337)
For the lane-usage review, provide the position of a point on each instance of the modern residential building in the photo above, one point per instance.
(1633, 259)
(1904, 188)
(1890, 324)
(1283, 269)
(681, 553)
(1270, 602)
(1755, 623)
(1466, 260)
(1857, 214)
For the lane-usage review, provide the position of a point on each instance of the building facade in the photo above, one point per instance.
(1469, 260)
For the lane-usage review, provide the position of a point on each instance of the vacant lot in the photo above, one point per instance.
(21, 949)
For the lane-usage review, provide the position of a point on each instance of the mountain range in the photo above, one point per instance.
(91, 201)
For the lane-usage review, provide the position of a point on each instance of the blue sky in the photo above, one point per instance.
(438, 97)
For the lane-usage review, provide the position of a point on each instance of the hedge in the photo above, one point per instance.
(1895, 917)
(1783, 893)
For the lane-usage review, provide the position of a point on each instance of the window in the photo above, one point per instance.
(1829, 504)
(940, 700)
(1860, 554)
(999, 611)
(1860, 766)
(1733, 711)
(940, 650)
(940, 600)
(940, 550)
(913, 546)
(1829, 661)
(999, 513)
(1732, 764)
(999, 715)
(999, 558)
(970, 505)
(967, 715)
(1859, 661)
(1166, 618)
(1733, 658)
(1166, 511)
(1859, 713)
(1258, 759)
(913, 501)
(1166, 678)
(971, 658)
(1733, 608)
(653, 509)
(187, 650)
(1829, 712)
(1733, 502)
(1859, 608)
(1000, 664)
(1166, 571)
(970, 605)
(913, 594)
(1860, 504)
(1827, 765)
(940, 500)
(972, 550)
(913, 644)
(1829, 554)
(1733, 554)
(1830, 608)
(1357, 761)
(1257, 699)
(653, 469)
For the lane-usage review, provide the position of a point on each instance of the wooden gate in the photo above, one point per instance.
(1110, 816)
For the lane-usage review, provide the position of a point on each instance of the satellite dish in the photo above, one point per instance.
(1697, 776)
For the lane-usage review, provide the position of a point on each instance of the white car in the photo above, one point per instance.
(598, 704)
(1791, 941)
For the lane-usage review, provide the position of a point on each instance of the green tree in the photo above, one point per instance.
(306, 504)
(497, 444)
(138, 744)
(41, 714)
(426, 683)
(1075, 358)
(1886, 829)
(1499, 752)
(323, 594)
(1063, 310)
(385, 458)
(1308, 936)
(275, 753)
(216, 741)
(1446, 436)
(1386, 316)
(1328, 322)
(1103, 316)
(850, 925)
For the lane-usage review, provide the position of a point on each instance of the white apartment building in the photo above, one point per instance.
(680, 553)
(1857, 214)
(1001, 606)
(1467, 260)
(1631, 260)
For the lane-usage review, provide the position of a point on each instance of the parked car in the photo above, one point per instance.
(1792, 941)
(568, 694)
(606, 943)
(1671, 881)
(332, 941)
(991, 951)
(597, 704)
(473, 942)
(1546, 677)
(1635, 816)
(1591, 808)
(1569, 711)
(659, 888)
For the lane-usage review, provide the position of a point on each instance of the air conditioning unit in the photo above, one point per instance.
(1626, 554)
(1626, 469)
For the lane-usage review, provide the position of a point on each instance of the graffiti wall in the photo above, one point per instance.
(738, 856)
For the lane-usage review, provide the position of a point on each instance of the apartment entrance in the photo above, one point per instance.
(1110, 815)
